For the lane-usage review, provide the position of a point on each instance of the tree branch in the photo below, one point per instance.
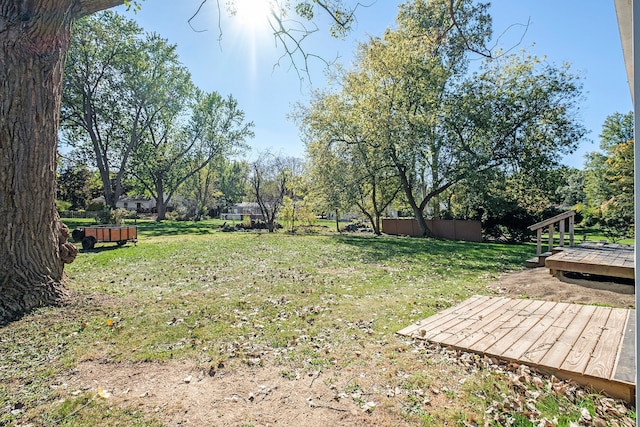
(88, 7)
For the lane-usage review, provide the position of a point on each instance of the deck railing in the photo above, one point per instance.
(551, 222)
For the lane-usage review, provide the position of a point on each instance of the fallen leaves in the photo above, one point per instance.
(104, 394)
(527, 388)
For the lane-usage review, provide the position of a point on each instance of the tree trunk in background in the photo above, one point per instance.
(161, 203)
(34, 38)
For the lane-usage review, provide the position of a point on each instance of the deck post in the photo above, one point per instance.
(571, 220)
(550, 222)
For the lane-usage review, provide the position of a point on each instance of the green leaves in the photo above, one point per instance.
(409, 116)
(131, 104)
(609, 176)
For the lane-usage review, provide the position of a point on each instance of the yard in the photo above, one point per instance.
(197, 327)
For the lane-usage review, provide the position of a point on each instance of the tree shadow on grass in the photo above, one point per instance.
(471, 255)
(108, 247)
(173, 228)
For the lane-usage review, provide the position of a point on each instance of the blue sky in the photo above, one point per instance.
(244, 63)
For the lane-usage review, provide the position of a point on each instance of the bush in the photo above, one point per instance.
(511, 225)
(171, 216)
(585, 216)
(62, 205)
(112, 216)
(96, 206)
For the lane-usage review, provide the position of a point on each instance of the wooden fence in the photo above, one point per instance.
(453, 229)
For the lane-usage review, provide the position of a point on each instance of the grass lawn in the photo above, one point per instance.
(302, 303)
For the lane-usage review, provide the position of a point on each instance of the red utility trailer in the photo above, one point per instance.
(93, 234)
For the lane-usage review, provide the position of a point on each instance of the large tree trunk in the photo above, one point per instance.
(34, 38)
(161, 203)
(418, 212)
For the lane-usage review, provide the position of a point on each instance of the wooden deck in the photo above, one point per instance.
(594, 346)
(600, 259)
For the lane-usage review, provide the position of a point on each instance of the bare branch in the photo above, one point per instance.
(468, 45)
(524, 33)
(196, 14)
(486, 52)
(291, 34)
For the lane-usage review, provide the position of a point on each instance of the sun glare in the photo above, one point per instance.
(253, 15)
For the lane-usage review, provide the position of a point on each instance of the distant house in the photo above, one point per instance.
(240, 210)
(138, 204)
(132, 203)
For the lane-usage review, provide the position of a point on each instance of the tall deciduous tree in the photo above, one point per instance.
(347, 162)
(33, 242)
(609, 175)
(182, 142)
(102, 105)
(417, 106)
(232, 182)
(270, 179)
(74, 186)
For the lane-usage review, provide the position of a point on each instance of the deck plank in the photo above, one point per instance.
(580, 354)
(604, 355)
(439, 321)
(505, 323)
(604, 260)
(566, 341)
(520, 348)
(457, 318)
(488, 324)
(625, 368)
(441, 316)
(591, 345)
(513, 339)
(459, 331)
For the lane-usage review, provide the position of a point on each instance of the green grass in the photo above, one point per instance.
(596, 234)
(585, 234)
(312, 300)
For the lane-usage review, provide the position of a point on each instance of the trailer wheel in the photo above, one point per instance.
(88, 242)
(121, 242)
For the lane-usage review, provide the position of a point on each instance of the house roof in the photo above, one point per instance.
(100, 199)
(624, 12)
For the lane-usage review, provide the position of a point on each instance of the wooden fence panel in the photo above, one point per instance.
(470, 231)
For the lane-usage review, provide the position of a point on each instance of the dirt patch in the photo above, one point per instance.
(182, 393)
(537, 283)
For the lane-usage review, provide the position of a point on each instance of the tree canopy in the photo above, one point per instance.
(609, 176)
(427, 123)
(33, 47)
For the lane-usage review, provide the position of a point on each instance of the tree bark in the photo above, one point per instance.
(161, 203)
(34, 39)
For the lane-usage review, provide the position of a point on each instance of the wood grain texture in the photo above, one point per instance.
(603, 357)
(579, 342)
(604, 260)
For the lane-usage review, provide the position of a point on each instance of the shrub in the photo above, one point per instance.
(96, 206)
(62, 205)
(112, 216)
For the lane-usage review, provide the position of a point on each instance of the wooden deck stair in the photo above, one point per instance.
(561, 220)
(538, 261)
